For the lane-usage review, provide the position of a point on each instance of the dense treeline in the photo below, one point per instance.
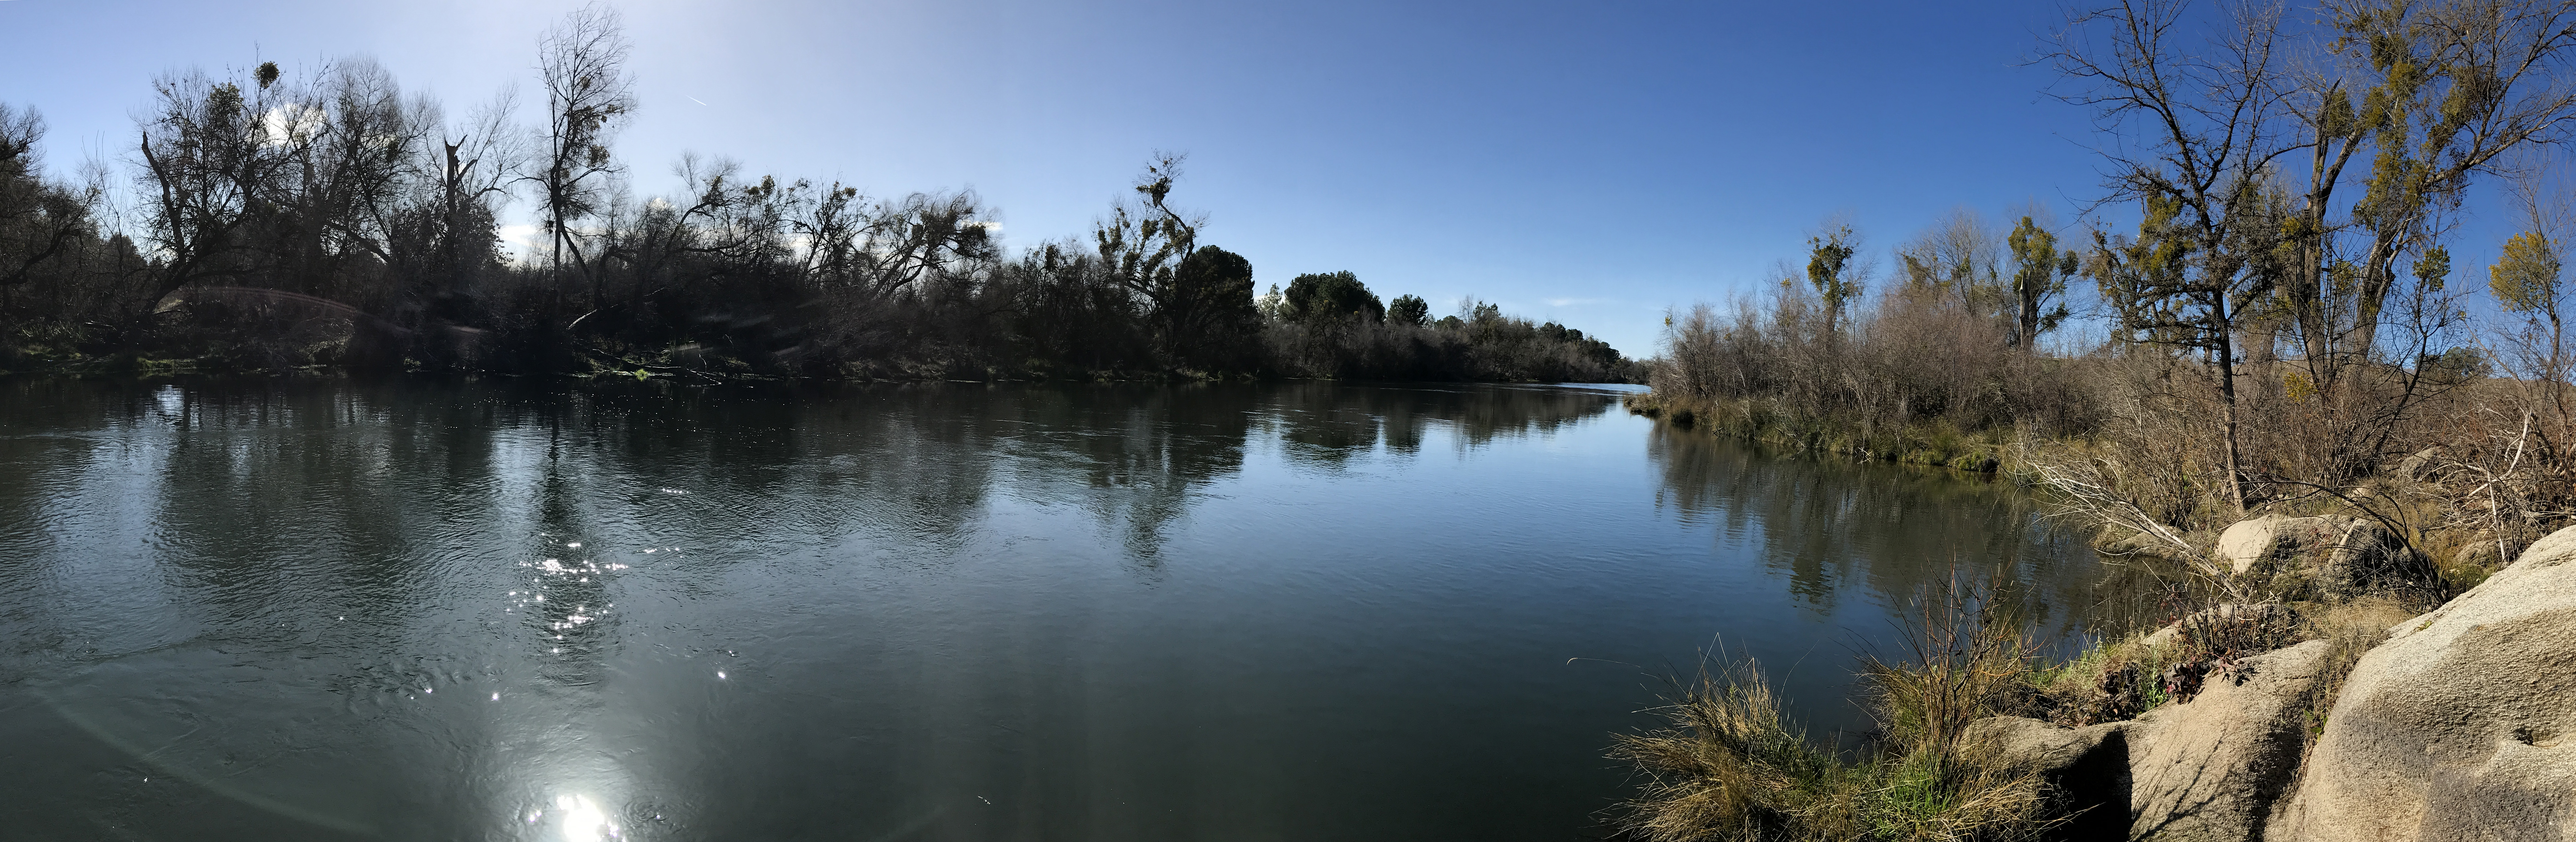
(279, 222)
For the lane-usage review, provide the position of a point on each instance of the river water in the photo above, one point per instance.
(323, 609)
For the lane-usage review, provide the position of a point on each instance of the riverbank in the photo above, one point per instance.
(1931, 444)
(1982, 734)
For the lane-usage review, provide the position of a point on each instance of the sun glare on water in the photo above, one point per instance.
(583, 821)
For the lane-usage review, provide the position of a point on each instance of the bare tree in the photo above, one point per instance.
(1958, 254)
(476, 164)
(582, 63)
(206, 149)
(2517, 480)
(41, 222)
(351, 144)
(2208, 127)
(2410, 101)
(1143, 243)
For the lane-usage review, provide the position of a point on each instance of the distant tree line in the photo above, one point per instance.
(279, 222)
(1830, 356)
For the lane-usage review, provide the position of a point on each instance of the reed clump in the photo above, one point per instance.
(1726, 764)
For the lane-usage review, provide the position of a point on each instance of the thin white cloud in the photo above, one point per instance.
(524, 237)
(291, 123)
(1573, 302)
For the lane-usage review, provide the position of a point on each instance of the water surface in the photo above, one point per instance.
(508, 610)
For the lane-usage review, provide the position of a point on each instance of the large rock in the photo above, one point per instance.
(2413, 468)
(2367, 558)
(2211, 770)
(2276, 538)
(2457, 728)
(2087, 768)
(2331, 556)
(2140, 543)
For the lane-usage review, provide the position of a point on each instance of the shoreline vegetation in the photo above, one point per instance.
(2290, 424)
(267, 221)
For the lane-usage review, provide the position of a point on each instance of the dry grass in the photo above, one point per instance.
(1963, 657)
(1913, 376)
(1728, 766)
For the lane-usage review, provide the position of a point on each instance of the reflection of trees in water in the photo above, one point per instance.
(1325, 423)
(919, 462)
(332, 479)
(914, 464)
(56, 436)
(262, 535)
(46, 435)
(1830, 526)
(775, 461)
(374, 472)
(252, 490)
(1132, 456)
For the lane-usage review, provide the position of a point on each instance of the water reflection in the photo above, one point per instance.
(1889, 534)
(518, 610)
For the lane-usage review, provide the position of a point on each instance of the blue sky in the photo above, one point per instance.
(1593, 163)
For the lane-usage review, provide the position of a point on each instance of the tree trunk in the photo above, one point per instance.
(2226, 362)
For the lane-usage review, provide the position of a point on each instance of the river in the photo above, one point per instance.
(421, 609)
